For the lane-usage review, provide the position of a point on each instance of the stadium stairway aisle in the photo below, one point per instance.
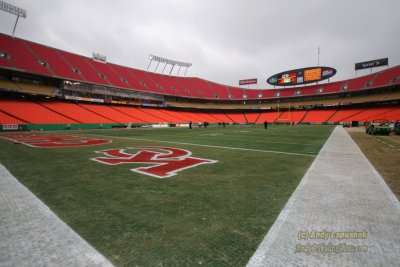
(340, 193)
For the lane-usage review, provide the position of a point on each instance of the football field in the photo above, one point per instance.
(168, 196)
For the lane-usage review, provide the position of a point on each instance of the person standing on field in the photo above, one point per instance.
(265, 125)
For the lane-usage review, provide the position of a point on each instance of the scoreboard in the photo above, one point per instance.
(301, 76)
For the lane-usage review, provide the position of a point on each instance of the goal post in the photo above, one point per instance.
(286, 115)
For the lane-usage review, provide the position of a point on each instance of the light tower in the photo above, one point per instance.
(167, 61)
(19, 12)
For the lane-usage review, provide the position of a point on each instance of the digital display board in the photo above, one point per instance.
(301, 76)
(312, 74)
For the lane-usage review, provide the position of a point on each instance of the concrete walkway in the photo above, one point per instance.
(32, 235)
(341, 214)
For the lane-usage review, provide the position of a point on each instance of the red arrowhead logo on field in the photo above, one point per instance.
(166, 161)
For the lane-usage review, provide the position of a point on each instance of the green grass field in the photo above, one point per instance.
(212, 214)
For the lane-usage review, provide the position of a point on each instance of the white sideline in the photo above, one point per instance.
(340, 192)
(32, 235)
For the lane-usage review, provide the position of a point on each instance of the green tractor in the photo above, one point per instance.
(397, 128)
(380, 127)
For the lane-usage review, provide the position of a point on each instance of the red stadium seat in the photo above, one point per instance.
(236, 117)
(31, 112)
(58, 66)
(75, 112)
(269, 116)
(20, 56)
(7, 119)
(319, 116)
(30, 57)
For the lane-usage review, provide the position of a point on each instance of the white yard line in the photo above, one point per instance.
(202, 145)
(383, 142)
(32, 235)
(340, 193)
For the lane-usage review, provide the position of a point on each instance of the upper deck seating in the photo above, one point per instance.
(387, 77)
(82, 66)
(51, 56)
(25, 56)
(20, 56)
(221, 92)
(236, 93)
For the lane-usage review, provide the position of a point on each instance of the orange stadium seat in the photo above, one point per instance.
(160, 115)
(292, 116)
(376, 113)
(136, 115)
(208, 117)
(148, 116)
(345, 114)
(252, 117)
(236, 117)
(26, 56)
(220, 117)
(18, 55)
(318, 116)
(32, 112)
(7, 119)
(112, 115)
(196, 116)
(175, 116)
(269, 116)
(75, 112)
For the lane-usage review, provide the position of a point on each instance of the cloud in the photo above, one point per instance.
(225, 40)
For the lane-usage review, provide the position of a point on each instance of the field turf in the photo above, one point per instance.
(213, 214)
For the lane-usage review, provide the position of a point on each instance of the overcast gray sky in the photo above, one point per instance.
(225, 40)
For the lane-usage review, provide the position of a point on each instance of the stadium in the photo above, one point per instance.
(106, 164)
